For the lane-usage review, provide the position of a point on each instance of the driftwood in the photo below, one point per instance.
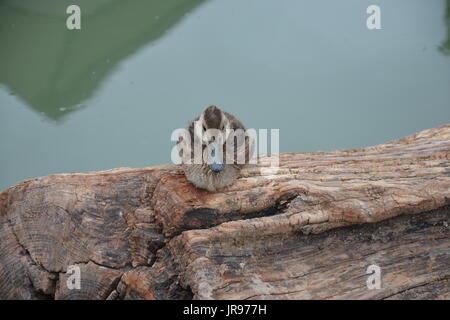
(310, 231)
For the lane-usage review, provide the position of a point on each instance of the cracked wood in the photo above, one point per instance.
(307, 231)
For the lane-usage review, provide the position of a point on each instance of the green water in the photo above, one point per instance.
(110, 94)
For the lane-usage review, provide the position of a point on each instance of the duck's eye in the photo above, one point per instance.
(204, 128)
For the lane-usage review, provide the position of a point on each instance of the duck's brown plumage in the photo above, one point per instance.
(201, 175)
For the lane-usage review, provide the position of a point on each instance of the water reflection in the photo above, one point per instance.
(54, 69)
(445, 46)
(318, 75)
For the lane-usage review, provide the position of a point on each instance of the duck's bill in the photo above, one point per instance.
(216, 167)
(215, 158)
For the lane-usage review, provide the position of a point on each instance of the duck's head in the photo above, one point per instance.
(214, 118)
(211, 130)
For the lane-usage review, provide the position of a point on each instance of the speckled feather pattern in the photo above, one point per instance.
(202, 176)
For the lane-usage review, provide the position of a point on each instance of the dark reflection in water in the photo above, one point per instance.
(445, 46)
(311, 69)
(54, 69)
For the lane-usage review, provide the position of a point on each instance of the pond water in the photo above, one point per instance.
(110, 95)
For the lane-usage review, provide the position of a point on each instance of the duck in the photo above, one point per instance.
(225, 149)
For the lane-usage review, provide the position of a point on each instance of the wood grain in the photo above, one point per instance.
(308, 230)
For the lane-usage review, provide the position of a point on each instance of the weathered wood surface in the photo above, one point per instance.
(308, 231)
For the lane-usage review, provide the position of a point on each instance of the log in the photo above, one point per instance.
(308, 231)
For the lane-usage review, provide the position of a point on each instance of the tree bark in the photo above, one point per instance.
(308, 231)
